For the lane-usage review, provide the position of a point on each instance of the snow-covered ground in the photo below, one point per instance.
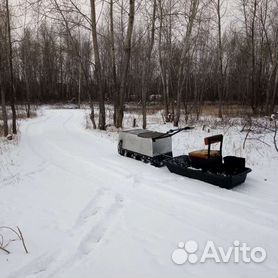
(85, 211)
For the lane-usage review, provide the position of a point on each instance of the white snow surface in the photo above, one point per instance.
(85, 211)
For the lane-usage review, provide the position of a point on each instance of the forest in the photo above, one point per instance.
(178, 54)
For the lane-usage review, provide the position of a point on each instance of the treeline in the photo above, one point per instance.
(181, 53)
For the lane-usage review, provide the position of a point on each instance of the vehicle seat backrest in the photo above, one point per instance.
(213, 140)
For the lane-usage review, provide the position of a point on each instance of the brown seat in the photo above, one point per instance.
(209, 154)
(203, 154)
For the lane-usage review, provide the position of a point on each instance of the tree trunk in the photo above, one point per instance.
(4, 112)
(163, 70)
(26, 77)
(127, 53)
(220, 60)
(10, 56)
(79, 85)
(146, 67)
(274, 92)
(253, 57)
(92, 115)
(186, 48)
(114, 73)
(101, 122)
(28, 97)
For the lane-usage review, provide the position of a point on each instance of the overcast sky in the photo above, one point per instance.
(23, 15)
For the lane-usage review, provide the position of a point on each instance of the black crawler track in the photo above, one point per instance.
(157, 161)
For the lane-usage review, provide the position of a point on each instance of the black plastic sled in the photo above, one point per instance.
(226, 175)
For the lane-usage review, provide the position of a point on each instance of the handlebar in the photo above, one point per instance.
(172, 132)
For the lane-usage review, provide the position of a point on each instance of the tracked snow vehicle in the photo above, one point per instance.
(147, 146)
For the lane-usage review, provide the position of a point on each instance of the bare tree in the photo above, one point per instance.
(146, 67)
(82, 67)
(274, 60)
(4, 111)
(193, 10)
(10, 56)
(98, 69)
(3, 35)
(26, 67)
(165, 61)
(115, 90)
(253, 56)
(126, 59)
(218, 4)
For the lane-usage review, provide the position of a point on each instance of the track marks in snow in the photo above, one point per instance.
(36, 267)
(105, 217)
(93, 223)
(91, 209)
(92, 226)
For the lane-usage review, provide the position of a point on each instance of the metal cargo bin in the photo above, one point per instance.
(145, 142)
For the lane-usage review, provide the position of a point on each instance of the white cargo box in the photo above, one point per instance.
(144, 142)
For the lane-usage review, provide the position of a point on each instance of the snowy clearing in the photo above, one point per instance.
(85, 211)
